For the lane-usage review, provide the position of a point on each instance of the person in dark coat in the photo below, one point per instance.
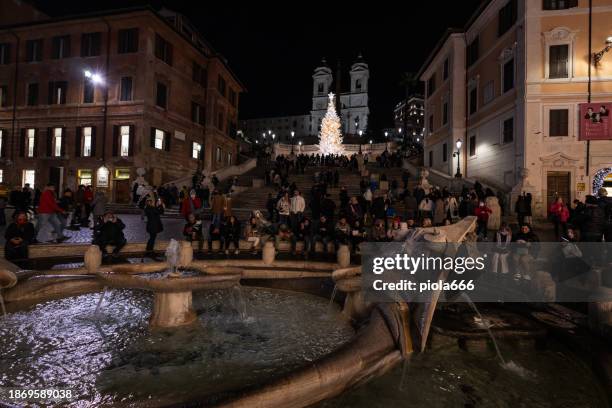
(154, 223)
(18, 236)
(231, 233)
(592, 221)
(110, 232)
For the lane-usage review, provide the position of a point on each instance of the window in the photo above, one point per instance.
(218, 156)
(445, 70)
(558, 122)
(32, 98)
(30, 142)
(221, 85)
(506, 17)
(559, 4)
(124, 141)
(126, 89)
(444, 152)
(28, 177)
(445, 113)
(57, 92)
(56, 142)
(508, 130)
(220, 124)
(508, 73)
(5, 53)
(128, 41)
(163, 49)
(473, 96)
(488, 92)
(431, 84)
(196, 150)
(431, 123)
(558, 61)
(473, 50)
(87, 141)
(1, 176)
(88, 91)
(431, 163)
(320, 88)
(161, 99)
(358, 84)
(197, 113)
(199, 74)
(229, 159)
(232, 97)
(159, 139)
(472, 146)
(34, 50)
(61, 47)
(1, 144)
(85, 177)
(3, 95)
(91, 44)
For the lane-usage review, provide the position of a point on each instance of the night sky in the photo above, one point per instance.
(274, 49)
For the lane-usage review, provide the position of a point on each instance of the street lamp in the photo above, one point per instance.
(458, 154)
(599, 55)
(292, 134)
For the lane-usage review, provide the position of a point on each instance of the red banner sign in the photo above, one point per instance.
(595, 121)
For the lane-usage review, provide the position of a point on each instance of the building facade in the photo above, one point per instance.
(409, 119)
(353, 112)
(98, 99)
(528, 68)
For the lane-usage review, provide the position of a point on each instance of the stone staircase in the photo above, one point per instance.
(255, 198)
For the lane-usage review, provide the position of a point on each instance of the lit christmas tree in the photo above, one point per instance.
(330, 137)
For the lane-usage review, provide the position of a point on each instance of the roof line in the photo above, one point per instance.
(112, 12)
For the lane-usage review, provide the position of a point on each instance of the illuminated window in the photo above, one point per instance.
(28, 177)
(57, 142)
(124, 139)
(1, 141)
(85, 177)
(30, 141)
(196, 150)
(159, 139)
(218, 155)
(87, 142)
(229, 159)
(1, 176)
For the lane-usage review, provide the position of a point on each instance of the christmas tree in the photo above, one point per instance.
(330, 137)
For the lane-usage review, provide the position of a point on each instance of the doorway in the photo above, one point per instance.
(558, 185)
(55, 178)
(122, 191)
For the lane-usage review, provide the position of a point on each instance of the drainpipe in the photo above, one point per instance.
(14, 137)
(588, 143)
(107, 73)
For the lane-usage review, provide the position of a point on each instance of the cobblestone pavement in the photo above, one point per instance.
(135, 231)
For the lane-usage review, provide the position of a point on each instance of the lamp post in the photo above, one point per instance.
(386, 141)
(599, 55)
(96, 79)
(360, 140)
(292, 134)
(300, 146)
(458, 143)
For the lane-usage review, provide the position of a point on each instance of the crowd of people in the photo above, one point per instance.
(383, 210)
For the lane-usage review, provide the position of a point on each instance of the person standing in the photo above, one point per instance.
(482, 213)
(98, 207)
(559, 214)
(190, 205)
(48, 211)
(298, 205)
(154, 223)
(284, 209)
(217, 207)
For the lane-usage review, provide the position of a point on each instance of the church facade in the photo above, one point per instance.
(353, 103)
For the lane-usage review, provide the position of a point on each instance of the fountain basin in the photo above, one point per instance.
(173, 300)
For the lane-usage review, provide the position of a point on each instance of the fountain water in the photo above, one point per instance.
(172, 254)
(333, 295)
(239, 303)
